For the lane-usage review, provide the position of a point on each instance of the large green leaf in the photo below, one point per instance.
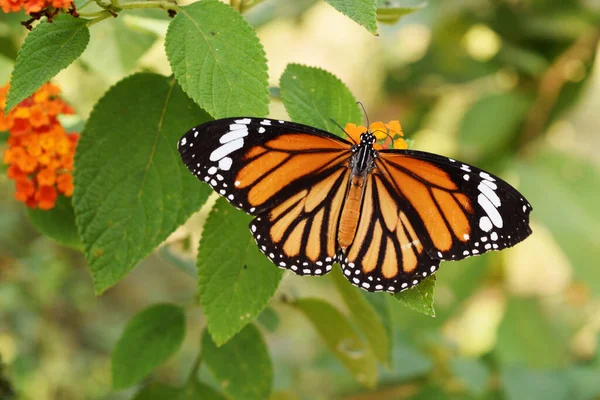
(364, 316)
(58, 223)
(47, 50)
(342, 339)
(149, 339)
(242, 366)
(235, 280)
(361, 11)
(420, 297)
(131, 188)
(564, 192)
(218, 60)
(314, 97)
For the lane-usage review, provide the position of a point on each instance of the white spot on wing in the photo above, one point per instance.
(243, 121)
(485, 224)
(490, 210)
(225, 163)
(237, 132)
(212, 170)
(226, 149)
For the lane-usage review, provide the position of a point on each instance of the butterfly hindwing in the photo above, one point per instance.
(300, 233)
(387, 253)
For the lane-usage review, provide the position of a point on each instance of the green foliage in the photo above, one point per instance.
(472, 373)
(342, 339)
(481, 145)
(390, 11)
(567, 180)
(242, 366)
(48, 49)
(131, 189)
(315, 97)
(57, 223)
(522, 321)
(361, 11)
(364, 316)
(218, 60)
(520, 384)
(490, 84)
(235, 280)
(420, 297)
(148, 340)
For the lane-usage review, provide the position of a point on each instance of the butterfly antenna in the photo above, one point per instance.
(365, 113)
(343, 130)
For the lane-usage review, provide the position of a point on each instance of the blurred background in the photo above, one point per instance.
(512, 86)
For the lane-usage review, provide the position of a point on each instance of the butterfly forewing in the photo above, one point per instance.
(256, 163)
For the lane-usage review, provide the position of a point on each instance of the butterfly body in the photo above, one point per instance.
(387, 217)
(362, 162)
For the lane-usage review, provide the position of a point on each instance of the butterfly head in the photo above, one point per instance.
(368, 138)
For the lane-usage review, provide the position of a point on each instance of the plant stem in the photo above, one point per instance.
(195, 368)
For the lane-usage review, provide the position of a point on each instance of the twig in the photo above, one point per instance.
(552, 82)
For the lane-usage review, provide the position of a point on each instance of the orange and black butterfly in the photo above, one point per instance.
(388, 217)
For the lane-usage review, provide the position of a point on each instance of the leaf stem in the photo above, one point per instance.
(165, 5)
(104, 15)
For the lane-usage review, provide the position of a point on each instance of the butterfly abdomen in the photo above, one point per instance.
(351, 212)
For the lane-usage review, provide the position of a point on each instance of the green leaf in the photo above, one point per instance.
(360, 11)
(131, 188)
(198, 390)
(57, 223)
(524, 320)
(390, 11)
(420, 297)
(159, 391)
(235, 280)
(522, 384)
(47, 50)
(218, 60)
(364, 316)
(314, 97)
(242, 366)
(473, 373)
(342, 339)
(574, 183)
(480, 138)
(149, 339)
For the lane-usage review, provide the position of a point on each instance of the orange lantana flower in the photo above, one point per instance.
(40, 151)
(390, 134)
(33, 6)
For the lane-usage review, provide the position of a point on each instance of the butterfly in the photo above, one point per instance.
(388, 217)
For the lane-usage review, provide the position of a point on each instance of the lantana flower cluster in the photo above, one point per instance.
(39, 151)
(33, 6)
(389, 136)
